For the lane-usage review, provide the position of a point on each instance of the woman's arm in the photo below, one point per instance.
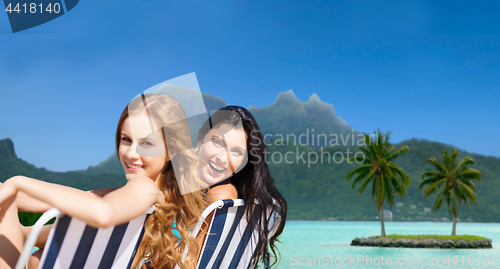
(114, 208)
(25, 203)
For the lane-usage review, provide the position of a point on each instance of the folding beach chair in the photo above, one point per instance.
(73, 244)
(229, 242)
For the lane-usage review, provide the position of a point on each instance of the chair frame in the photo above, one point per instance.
(47, 216)
(33, 236)
(212, 208)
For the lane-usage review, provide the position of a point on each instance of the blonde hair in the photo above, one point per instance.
(159, 243)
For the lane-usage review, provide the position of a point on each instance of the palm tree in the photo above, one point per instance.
(453, 180)
(378, 169)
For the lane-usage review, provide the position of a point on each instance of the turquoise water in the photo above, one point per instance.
(326, 244)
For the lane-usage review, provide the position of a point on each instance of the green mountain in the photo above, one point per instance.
(11, 165)
(313, 187)
(313, 120)
(109, 166)
(213, 102)
(319, 191)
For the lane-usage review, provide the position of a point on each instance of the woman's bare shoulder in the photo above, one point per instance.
(222, 192)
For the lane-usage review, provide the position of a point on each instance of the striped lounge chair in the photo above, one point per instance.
(73, 244)
(229, 242)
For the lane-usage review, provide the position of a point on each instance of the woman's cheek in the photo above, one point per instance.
(205, 154)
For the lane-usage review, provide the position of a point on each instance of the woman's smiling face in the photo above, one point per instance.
(222, 153)
(136, 135)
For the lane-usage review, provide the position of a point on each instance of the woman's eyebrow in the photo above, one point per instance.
(140, 139)
(147, 139)
(218, 136)
(240, 148)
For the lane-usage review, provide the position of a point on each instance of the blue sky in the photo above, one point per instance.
(424, 69)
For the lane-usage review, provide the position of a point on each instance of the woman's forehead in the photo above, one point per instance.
(139, 125)
(230, 133)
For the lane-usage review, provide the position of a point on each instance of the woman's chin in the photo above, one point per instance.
(211, 180)
(132, 174)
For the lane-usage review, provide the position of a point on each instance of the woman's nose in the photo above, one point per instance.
(223, 156)
(132, 152)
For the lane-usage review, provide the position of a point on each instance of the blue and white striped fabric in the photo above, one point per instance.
(73, 244)
(230, 243)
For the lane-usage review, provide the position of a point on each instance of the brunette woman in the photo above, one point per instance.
(232, 154)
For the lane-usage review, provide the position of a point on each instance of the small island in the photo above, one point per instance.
(424, 241)
(451, 180)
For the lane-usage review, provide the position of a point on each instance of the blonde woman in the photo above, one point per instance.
(152, 142)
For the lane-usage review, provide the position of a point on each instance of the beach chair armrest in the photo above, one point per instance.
(33, 236)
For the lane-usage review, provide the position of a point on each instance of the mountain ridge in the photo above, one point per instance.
(7, 148)
(290, 116)
(313, 191)
(316, 191)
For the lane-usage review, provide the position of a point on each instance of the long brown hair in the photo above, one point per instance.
(254, 183)
(159, 243)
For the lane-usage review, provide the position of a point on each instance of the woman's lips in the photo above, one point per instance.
(216, 169)
(134, 167)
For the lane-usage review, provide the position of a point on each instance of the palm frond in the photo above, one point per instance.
(367, 152)
(401, 174)
(431, 180)
(470, 174)
(402, 151)
(385, 166)
(398, 185)
(388, 191)
(468, 193)
(433, 174)
(450, 160)
(380, 144)
(433, 187)
(439, 200)
(469, 184)
(360, 177)
(371, 146)
(437, 164)
(463, 164)
(356, 170)
(365, 183)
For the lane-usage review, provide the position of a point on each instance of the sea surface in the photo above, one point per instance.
(326, 244)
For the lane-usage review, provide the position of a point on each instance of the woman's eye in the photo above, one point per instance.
(146, 144)
(218, 142)
(126, 139)
(237, 152)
